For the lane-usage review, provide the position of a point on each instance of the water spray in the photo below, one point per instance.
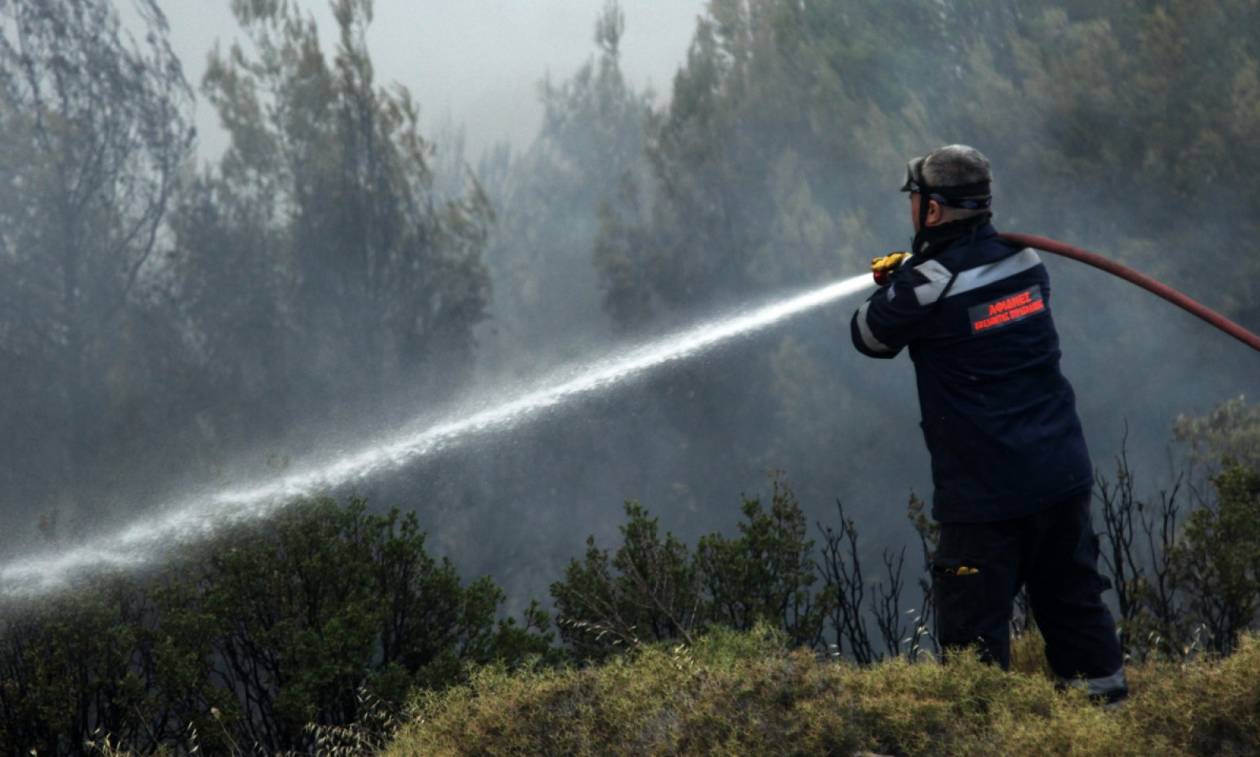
(200, 518)
(1158, 288)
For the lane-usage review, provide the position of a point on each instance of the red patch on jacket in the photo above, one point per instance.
(1010, 309)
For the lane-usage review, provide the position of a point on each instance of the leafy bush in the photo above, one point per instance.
(653, 589)
(766, 573)
(274, 628)
(653, 595)
(1218, 558)
(1186, 564)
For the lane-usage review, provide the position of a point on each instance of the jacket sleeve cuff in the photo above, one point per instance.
(864, 340)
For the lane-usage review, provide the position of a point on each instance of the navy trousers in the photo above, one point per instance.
(978, 569)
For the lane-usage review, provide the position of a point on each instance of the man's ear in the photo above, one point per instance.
(935, 212)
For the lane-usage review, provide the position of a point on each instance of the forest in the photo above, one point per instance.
(172, 324)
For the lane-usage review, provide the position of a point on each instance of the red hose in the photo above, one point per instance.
(1146, 282)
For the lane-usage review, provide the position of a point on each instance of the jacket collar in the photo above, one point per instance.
(933, 240)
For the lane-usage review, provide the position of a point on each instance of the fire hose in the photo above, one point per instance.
(1146, 282)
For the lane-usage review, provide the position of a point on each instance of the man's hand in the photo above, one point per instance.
(884, 267)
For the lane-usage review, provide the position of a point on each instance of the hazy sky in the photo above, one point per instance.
(477, 62)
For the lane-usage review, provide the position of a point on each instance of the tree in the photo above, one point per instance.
(95, 129)
(321, 235)
(589, 157)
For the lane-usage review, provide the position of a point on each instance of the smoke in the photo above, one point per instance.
(669, 206)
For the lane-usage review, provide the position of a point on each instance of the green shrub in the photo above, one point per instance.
(1186, 564)
(1218, 557)
(653, 589)
(304, 620)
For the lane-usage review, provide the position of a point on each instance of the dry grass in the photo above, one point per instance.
(733, 693)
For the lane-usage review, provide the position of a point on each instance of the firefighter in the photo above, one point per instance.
(1010, 470)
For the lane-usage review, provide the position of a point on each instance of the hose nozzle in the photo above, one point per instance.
(882, 268)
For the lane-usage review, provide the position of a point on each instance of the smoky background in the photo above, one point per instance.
(342, 270)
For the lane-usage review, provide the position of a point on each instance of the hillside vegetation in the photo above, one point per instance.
(747, 694)
(330, 629)
(173, 328)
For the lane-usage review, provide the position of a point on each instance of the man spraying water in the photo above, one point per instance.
(1010, 468)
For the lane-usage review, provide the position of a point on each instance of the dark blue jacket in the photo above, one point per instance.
(999, 418)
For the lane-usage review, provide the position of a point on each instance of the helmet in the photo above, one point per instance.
(956, 176)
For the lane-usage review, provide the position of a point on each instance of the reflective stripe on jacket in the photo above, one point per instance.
(999, 418)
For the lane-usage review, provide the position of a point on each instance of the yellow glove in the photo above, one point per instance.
(883, 267)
